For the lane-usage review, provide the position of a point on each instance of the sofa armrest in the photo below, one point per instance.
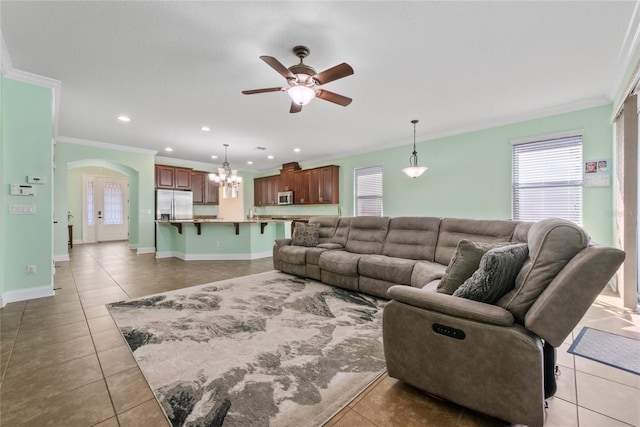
(282, 242)
(454, 306)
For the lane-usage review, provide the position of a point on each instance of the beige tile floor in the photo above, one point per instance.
(64, 363)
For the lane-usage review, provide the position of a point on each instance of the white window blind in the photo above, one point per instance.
(368, 191)
(547, 179)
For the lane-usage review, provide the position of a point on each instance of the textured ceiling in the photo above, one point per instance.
(174, 67)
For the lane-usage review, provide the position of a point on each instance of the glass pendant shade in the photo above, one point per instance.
(301, 95)
(414, 171)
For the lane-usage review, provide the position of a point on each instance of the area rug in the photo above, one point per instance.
(269, 349)
(611, 349)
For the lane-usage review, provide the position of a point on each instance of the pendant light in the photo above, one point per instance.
(414, 170)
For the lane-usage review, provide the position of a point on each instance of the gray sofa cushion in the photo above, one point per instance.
(464, 263)
(293, 254)
(312, 255)
(496, 274)
(553, 242)
(367, 234)
(326, 227)
(412, 238)
(425, 272)
(452, 230)
(340, 262)
(390, 269)
(342, 231)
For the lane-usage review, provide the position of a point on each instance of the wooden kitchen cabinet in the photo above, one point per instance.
(173, 178)
(205, 191)
(288, 176)
(318, 186)
(310, 186)
(265, 190)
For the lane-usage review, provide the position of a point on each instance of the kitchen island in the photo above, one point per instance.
(219, 239)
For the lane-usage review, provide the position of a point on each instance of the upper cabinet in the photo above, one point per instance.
(288, 176)
(205, 191)
(318, 186)
(265, 190)
(172, 177)
(310, 186)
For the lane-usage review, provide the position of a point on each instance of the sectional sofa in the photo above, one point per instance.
(485, 355)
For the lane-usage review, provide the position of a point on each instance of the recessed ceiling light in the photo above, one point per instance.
(168, 149)
(249, 162)
(124, 119)
(205, 128)
(297, 150)
(214, 157)
(270, 157)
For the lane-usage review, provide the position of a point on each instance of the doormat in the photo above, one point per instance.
(611, 349)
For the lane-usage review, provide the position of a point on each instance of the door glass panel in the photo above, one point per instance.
(112, 203)
(90, 203)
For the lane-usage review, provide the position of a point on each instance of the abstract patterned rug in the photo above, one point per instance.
(269, 349)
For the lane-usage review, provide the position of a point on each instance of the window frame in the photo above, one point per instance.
(573, 180)
(375, 170)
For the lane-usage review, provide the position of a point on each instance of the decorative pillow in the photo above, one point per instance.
(306, 234)
(464, 262)
(496, 275)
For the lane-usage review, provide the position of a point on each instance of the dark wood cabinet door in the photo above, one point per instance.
(183, 179)
(287, 180)
(302, 196)
(258, 191)
(198, 187)
(212, 195)
(165, 176)
(329, 185)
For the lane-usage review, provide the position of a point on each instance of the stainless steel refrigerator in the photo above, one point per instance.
(174, 205)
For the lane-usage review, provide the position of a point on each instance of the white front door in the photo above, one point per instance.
(106, 208)
(112, 209)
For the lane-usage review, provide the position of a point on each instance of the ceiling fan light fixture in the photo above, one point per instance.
(414, 171)
(301, 95)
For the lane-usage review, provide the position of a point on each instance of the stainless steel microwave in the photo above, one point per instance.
(285, 197)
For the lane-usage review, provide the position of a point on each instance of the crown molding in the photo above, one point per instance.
(105, 145)
(629, 46)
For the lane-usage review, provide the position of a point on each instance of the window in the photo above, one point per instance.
(368, 191)
(547, 179)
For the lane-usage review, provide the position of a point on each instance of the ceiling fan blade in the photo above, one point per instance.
(333, 73)
(270, 89)
(333, 97)
(277, 65)
(295, 108)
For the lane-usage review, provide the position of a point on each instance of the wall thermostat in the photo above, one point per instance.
(35, 179)
(22, 190)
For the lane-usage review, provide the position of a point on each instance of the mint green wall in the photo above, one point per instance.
(26, 150)
(138, 166)
(469, 175)
(74, 193)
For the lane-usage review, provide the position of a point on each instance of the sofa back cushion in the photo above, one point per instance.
(553, 242)
(521, 232)
(452, 230)
(342, 231)
(367, 234)
(326, 227)
(412, 238)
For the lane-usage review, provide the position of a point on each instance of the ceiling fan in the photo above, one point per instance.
(303, 79)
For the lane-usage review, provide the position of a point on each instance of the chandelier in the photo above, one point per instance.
(414, 171)
(226, 177)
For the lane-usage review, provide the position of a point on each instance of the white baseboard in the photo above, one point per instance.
(166, 254)
(78, 241)
(224, 257)
(146, 251)
(26, 294)
(61, 258)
